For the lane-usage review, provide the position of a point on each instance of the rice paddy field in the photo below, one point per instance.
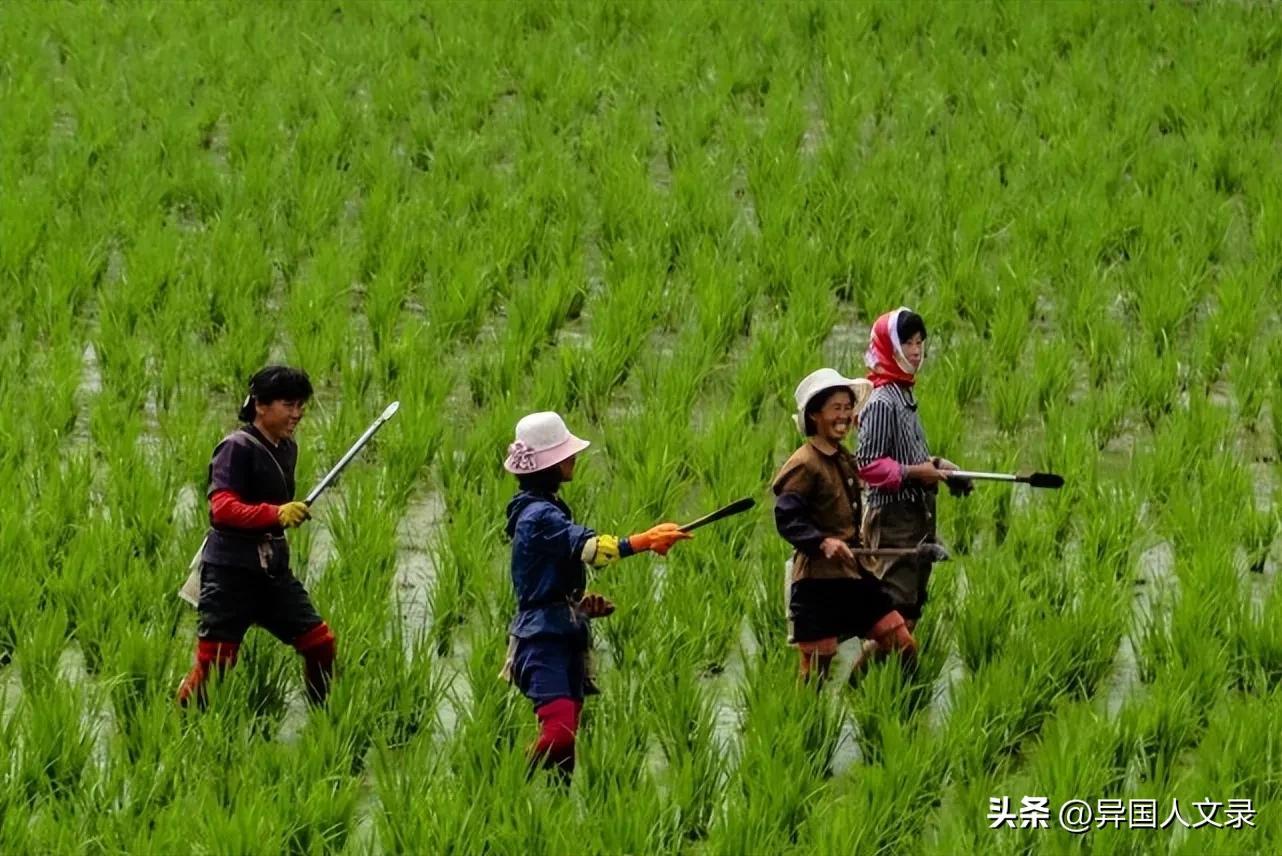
(655, 218)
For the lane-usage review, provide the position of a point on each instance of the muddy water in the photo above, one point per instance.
(458, 693)
(812, 139)
(98, 718)
(741, 191)
(10, 691)
(954, 670)
(1157, 571)
(87, 390)
(844, 348)
(294, 721)
(415, 575)
(660, 171)
(188, 502)
(725, 688)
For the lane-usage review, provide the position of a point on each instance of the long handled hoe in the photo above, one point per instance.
(1053, 481)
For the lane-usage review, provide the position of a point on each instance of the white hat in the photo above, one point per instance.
(542, 441)
(817, 381)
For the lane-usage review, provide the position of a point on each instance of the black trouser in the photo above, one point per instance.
(843, 607)
(234, 598)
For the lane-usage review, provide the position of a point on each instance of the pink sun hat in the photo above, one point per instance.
(542, 441)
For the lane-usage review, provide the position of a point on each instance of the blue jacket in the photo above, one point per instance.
(547, 569)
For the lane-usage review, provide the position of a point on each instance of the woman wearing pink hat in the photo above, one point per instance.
(817, 511)
(549, 638)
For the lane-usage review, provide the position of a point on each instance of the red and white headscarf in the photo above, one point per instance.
(885, 355)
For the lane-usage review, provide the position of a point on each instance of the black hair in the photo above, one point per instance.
(275, 383)
(547, 480)
(909, 325)
(819, 401)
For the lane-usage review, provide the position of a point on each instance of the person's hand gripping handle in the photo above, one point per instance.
(293, 513)
(659, 538)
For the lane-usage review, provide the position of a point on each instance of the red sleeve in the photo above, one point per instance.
(226, 509)
(884, 473)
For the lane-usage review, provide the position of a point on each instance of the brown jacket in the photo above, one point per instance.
(817, 497)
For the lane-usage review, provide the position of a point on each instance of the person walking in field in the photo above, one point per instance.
(817, 511)
(902, 478)
(549, 639)
(245, 576)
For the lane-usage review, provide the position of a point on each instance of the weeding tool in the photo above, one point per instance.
(737, 507)
(1053, 481)
(190, 590)
(931, 552)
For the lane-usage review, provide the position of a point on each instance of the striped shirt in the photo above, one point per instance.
(889, 427)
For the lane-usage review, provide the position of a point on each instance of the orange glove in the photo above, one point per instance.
(658, 538)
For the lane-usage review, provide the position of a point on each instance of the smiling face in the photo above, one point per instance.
(833, 420)
(278, 419)
(914, 350)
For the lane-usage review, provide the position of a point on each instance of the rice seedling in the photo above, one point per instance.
(653, 218)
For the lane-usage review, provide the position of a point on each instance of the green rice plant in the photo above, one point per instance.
(948, 426)
(1080, 752)
(996, 506)
(17, 609)
(704, 593)
(457, 558)
(1107, 542)
(884, 806)
(657, 472)
(364, 541)
(1248, 375)
(785, 720)
(684, 727)
(1260, 529)
(55, 743)
(731, 462)
(142, 673)
(1107, 414)
(654, 219)
(991, 591)
(1220, 476)
(1256, 649)
(961, 527)
(43, 638)
(409, 709)
(253, 695)
(1008, 333)
(1244, 749)
(61, 373)
(487, 737)
(1053, 364)
(999, 718)
(1162, 470)
(632, 815)
(1275, 419)
(887, 698)
(400, 823)
(1105, 347)
(1169, 722)
(960, 818)
(245, 818)
(1153, 383)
